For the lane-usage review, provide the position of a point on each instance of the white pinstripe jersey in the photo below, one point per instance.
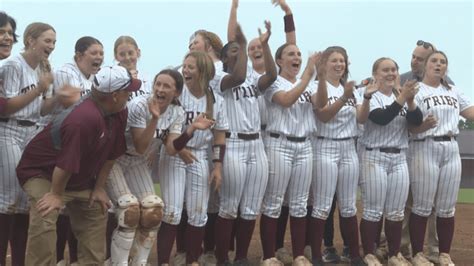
(171, 121)
(297, 120)
(193, 107)
(392, 135)
(19, 78)
(344, 123)
(445, 104)
(71, 75)
(241, 105)
(145, 89)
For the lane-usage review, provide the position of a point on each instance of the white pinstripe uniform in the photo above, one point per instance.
(131, 173)
(384, 178)
(68, 74)
(335, 161)
(245, 167)
(434, 162)
(289, 152)
(180, 182)
(18, 78)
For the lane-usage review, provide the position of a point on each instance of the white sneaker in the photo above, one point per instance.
(371, 260)
(179, 259)
(307, 253)
(301, 261)
(381, 253)
(421, 260)
(271, 262)
(445, 260)
(61, 263)
(207, 259)
(398, 260)
(284, 256)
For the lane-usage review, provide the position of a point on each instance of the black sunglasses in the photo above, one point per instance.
(426, 45)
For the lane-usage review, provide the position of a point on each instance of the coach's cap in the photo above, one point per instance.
(115, 78)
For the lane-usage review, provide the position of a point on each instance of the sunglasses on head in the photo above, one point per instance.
(426, 45)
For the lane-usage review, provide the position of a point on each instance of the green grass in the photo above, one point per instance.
(466, 195)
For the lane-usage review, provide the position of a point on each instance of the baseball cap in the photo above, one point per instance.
(115, 78)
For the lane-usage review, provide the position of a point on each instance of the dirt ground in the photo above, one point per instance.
(462, 250)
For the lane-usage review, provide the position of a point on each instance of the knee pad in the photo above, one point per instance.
(128, 211)
(151, 211)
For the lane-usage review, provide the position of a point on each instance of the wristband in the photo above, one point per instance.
(218, 152)
(367, 97)
(180, 142)
(343, 99)
(289, 23)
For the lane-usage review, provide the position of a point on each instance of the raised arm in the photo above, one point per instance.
(320, 98)
(288, 98)
(239, 71)
(330, 110)
(288, 19)
(270, 68)
(231, 26)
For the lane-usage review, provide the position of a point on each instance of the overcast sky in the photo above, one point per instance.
(367, 29)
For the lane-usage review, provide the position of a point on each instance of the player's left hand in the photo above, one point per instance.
(202, 122)
(99, 195)
(263, 37)
(49, 202)
(215, 178)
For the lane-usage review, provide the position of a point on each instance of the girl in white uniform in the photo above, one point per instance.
(183, 181)
(383, 169)
(156, 118)
(435, 163)
(335, 164)
(26, 79)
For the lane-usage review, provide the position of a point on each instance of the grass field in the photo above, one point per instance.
(466, 195)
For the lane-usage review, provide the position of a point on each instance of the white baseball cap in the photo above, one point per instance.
(115, 78)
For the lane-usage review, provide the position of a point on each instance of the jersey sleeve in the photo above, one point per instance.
(178, 122)
(375, 102)
(216, 84)
(138, 113)
(221, 117)
(11, 76)
(464, 101)
(63, 77)
(274, 88)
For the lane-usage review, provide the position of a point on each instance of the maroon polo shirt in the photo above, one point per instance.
(88, 139)
(3, 104)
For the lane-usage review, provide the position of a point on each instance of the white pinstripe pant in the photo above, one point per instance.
(130, 175)
(384, 184)
(13, 198)
(245, 176)
(180, 182)
(290, 165)
(335, 169)
(435, 176)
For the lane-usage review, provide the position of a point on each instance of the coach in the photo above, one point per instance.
(68, 163)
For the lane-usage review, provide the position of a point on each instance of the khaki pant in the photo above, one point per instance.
(432, 241)
(88, 225)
